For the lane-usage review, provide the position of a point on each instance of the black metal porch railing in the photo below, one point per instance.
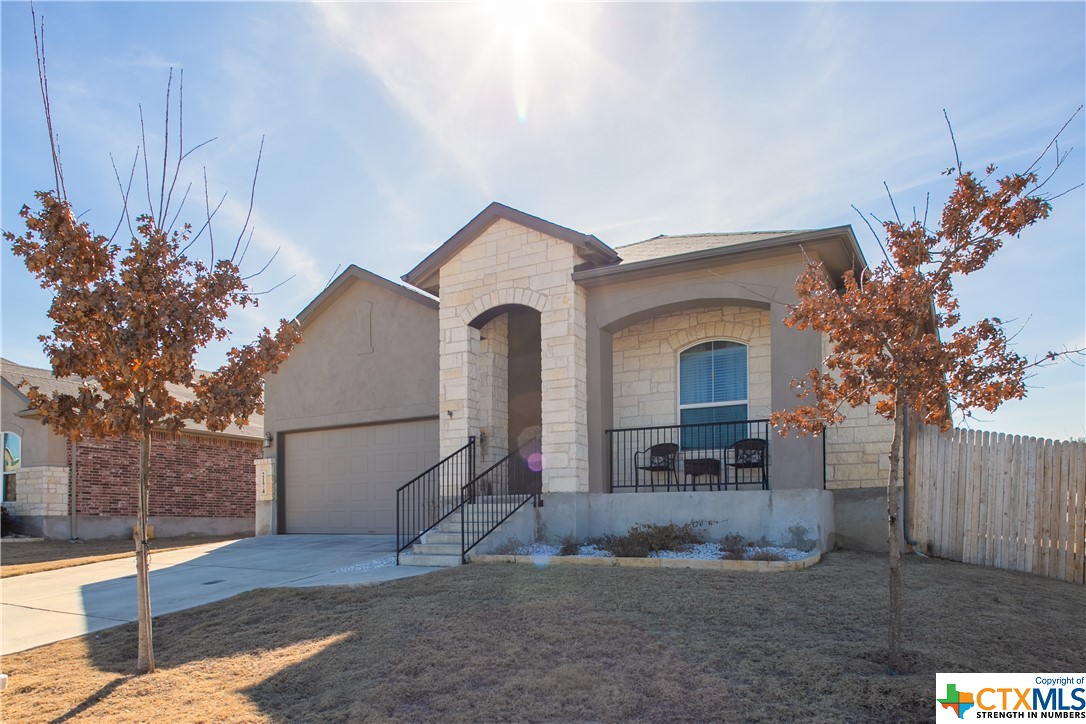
(705, 456)
(497, 493)
(428, 499)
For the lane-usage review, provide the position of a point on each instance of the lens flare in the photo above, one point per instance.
(535, 462)
(519, 25)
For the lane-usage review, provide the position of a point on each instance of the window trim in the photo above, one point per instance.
(679, 406)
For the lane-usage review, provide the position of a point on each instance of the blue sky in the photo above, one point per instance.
(389, 126)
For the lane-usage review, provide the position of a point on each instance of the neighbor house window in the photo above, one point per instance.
(713, 388)
(13, 446)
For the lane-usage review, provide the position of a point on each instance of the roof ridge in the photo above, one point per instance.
(715, 233)
(4, 361)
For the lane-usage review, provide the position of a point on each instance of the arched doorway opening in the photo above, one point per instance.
(508, 386)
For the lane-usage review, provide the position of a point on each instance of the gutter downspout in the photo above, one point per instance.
(73, 533)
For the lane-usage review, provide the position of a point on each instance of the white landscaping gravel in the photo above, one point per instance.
(703, 551)
(370, 565)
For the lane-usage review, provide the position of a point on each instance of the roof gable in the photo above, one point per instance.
(344, 281)
(425, 274)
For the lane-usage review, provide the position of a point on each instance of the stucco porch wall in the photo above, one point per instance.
(646, 361)
(795, 518)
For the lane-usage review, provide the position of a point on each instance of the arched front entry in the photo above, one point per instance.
(508, 409)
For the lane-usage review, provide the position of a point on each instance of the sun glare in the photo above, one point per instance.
(518, 25)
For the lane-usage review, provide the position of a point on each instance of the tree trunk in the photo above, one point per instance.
(893, 488)
(145, 659)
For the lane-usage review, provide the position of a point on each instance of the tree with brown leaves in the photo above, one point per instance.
(130, 324)
(897, 337)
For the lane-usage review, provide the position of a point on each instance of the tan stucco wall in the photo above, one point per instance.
(40, 446)
(369, 356)
(511, 264)
(646, 361)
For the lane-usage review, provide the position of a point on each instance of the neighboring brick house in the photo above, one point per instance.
(524, 329)
(201, 482)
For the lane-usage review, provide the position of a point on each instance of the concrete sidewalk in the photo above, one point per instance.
(41, 608)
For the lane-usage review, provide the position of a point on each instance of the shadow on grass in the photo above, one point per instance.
(569, 643)
(91, 700)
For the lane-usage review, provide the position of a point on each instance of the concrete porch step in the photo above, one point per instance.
(430, 560)
(440, 536)
(437, 548)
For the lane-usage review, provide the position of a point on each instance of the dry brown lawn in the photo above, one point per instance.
(17, 559)
(515, 642)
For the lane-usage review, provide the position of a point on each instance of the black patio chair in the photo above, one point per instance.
(751, 454)
(662, 457)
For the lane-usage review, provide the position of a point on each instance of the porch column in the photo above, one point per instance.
(493, 391)
(459, 372)
(565, 395)
(796, 460)
(600, 406)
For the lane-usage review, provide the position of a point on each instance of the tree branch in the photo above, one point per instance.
(1050, 143)
(954, 141)
(252, 199)
(124, 195)
(43, 85)
(878, 239)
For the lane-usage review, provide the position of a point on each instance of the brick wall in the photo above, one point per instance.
(190, 476)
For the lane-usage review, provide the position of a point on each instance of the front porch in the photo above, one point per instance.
(707, 456)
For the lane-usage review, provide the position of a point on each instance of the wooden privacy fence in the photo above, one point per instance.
(1005, 501)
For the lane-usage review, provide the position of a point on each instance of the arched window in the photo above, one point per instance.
(713, 389)
(13, 454)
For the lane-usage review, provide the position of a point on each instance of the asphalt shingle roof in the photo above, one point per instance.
(660, 247)
(44, 380)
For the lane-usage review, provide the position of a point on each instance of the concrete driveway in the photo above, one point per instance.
(41, 608)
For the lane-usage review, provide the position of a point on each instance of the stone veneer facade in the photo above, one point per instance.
(492, 384)
(40, 491)
(505, 265)
(858, 450)
(646, 361)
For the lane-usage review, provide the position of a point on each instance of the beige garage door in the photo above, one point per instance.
(345, 480)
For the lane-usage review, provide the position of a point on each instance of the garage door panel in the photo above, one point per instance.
(384, 463)
(337, 467)
(361, 437)
(361, 464)
(345, 481)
